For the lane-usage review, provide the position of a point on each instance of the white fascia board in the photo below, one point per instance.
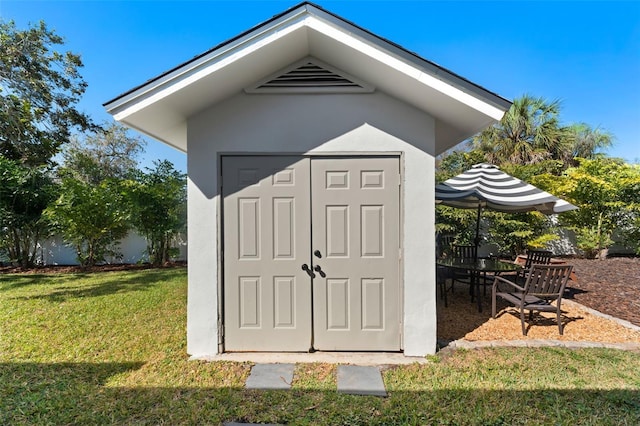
(407, 69)
(207, 65)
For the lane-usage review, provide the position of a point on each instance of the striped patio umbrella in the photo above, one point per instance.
(486, 186)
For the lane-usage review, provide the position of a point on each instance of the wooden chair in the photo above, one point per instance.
(534, 257)
(465, 252)
(442, 275)
(444, 244)
(544, 284)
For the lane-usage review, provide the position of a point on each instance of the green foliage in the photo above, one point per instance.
(25, 192)
(528, 133)
(586, 142)
(458, 222)
(530, 144)
(541, 241)
(107, 153)
(39, 88)
(529, 172)
(91, 217)
(158, 207)
(591, 241)
(456, 162)
(607, 192)
(513, 233)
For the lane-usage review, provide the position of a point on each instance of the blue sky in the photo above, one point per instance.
(584, 53)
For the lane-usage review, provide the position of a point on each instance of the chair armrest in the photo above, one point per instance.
(499, 280)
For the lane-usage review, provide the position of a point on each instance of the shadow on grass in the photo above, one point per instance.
(92, 284)
(79, 393)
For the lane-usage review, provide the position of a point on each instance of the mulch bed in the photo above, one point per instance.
(611, 286)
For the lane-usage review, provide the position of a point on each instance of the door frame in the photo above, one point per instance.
(317, 154)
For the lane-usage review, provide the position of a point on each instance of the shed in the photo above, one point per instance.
(311, 146)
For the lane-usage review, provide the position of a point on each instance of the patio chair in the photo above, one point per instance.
(465, 252)
(444, 244)
(534, 257)
(544, 284)
(442, 275)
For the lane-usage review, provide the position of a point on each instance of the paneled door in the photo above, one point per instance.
(267, 295)
(355, 239)
(311, 253)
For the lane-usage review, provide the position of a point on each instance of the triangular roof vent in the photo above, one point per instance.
(310, 76)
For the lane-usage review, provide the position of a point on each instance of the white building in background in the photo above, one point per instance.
(133, 249)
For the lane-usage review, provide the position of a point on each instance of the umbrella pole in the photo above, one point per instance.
(477, 240)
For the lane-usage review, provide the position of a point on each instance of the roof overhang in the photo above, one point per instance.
(160, 107)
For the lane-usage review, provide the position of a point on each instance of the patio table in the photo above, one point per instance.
(478, 267)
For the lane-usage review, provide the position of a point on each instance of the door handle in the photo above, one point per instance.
(318, 254)
(319, 270)
(305, 268)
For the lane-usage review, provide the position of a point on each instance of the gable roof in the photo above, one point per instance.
(161, 106)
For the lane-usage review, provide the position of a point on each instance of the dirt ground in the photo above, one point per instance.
(610, 286)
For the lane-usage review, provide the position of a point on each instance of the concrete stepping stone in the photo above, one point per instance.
(270, 376)
(360, 380)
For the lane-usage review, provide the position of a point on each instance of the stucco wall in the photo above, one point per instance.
(303, 124)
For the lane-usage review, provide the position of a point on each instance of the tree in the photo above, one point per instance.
(607, 192)
(107, 153)
(528, 133)
(530, 143)
(24, 194)
(158, 206)
(39, 90)
(585, 142)
(512, 233)
(455, 162)
(93, 218)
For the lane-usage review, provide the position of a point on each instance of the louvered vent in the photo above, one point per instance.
(310, 76)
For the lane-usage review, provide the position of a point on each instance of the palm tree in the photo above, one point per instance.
(527, 134)
(585, 142)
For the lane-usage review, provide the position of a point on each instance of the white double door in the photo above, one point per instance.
(311, 253)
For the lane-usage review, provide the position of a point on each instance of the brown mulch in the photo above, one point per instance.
(610, 286)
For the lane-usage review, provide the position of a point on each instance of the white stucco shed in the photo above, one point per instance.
(310, 151)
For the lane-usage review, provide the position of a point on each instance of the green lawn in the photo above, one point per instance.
(110, 348)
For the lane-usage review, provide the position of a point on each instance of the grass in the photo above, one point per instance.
(110, 348)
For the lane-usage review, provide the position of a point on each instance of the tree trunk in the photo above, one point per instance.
(602, 251)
